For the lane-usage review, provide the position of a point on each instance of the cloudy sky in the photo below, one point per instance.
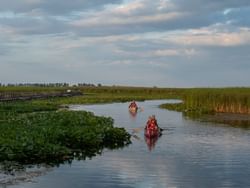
(165, 43)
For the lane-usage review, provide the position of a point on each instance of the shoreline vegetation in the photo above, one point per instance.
(43, 130)
(40, 133)
(211, 100)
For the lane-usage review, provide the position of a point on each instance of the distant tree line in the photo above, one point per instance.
(48, 85)
(86, 84)
(35, 84)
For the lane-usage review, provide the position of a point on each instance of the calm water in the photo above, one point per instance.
(188, 154)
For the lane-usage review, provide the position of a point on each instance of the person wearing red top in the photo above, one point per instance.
(149, 121)
(152, 122)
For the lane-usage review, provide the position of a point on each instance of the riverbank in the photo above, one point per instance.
(199, 100)
(211, 100)
(224, 100)
(222, 105)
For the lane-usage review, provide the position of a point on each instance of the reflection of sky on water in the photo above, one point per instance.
(189, 154)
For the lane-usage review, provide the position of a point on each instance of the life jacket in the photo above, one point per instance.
(151, 124)
(153, 121)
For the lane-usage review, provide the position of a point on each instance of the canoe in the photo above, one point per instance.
(152, 132)
(133, 109)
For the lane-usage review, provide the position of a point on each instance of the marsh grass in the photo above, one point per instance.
(227, 100)
(197, 103)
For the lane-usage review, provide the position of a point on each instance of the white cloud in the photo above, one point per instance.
(128, 9)
(168, 52)
(107, 19)
(209, 37)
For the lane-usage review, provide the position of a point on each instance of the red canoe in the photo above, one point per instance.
(152, 132)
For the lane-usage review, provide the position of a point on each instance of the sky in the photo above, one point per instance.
(163, 43)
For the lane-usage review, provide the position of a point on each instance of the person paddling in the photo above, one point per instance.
(152, 122)
(133, 105)
(149, 120)
(151, 129)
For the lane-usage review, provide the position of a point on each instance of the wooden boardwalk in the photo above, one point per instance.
(24, 96)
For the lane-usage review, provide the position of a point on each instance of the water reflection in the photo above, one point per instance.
(151, 142)
(132, 114)
(14, 173)
(234, 120)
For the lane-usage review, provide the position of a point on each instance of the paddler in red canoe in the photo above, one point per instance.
(152, 122)
(133, 105)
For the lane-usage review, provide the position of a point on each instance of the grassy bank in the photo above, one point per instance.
(228, 100)
(209, 100)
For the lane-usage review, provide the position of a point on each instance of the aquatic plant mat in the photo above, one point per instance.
(56, 136)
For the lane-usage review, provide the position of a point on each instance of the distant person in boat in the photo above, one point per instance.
(133, 105)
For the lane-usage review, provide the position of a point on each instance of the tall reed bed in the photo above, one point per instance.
(231, 100)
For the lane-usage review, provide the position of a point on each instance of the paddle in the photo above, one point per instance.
(136, 137)
(141, 109)
(163, 129)
(136, 130)
(167, 129)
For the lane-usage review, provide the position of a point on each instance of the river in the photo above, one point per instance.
(188, 154)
